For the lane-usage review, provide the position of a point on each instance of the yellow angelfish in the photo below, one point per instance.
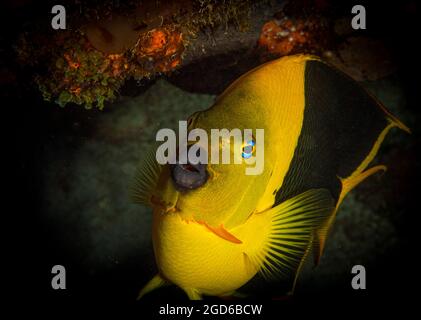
(321, 131)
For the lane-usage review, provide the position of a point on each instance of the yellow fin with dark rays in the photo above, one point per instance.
(292, 225)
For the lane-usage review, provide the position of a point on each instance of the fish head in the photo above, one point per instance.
(225, 188)
(220, 193)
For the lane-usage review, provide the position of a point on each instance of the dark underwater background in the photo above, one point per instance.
(70, 169)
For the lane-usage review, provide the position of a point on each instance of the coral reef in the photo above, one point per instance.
(83, 75)
(109, 45)
(280, 37)
(159, 50)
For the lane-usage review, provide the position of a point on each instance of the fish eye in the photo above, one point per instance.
(248, 148)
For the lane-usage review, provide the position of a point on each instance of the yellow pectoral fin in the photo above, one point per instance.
(146, 179)
(347, 185)
(292, 225)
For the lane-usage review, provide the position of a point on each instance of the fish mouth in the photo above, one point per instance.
(188, 176)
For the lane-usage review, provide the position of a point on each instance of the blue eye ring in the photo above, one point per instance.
(248, 149)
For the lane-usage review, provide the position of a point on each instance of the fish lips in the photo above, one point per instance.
(188, 176)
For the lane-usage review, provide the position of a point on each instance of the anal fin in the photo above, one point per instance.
(348, 184)
(300, 267)
(351, 182)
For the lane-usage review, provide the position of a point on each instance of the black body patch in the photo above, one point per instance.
(341, 124)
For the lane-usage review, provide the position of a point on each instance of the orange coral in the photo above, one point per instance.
(287, 36)
(154, 42)
(118, 64)
(71, 62)
(75, 90)
(85, 75)
(160, 50)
